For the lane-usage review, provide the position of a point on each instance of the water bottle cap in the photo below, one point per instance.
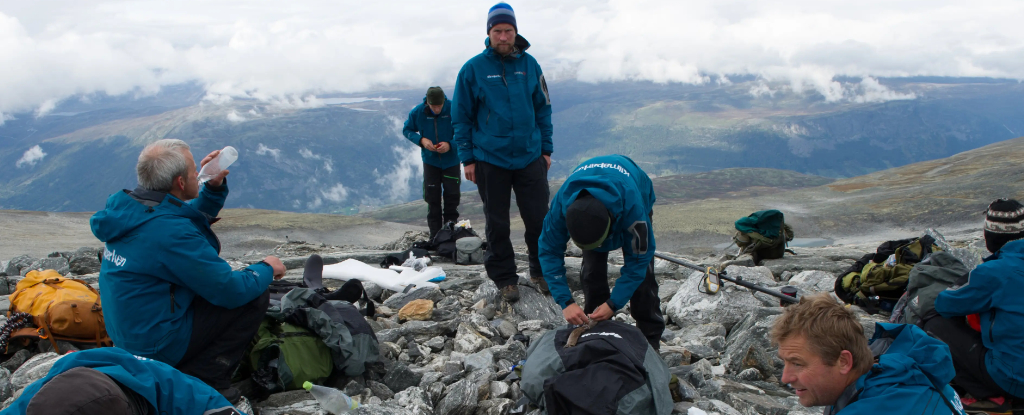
(307, 385)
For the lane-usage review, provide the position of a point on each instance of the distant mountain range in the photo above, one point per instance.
(345, 154)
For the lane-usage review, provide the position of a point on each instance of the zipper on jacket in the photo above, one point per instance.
(172, 298)
(437, 136)
(991, 325)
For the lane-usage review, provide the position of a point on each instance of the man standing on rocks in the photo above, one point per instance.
(502, 120)
(988, 346)
(430, 127)
(166, 293)
(830, 363)
(605, 204)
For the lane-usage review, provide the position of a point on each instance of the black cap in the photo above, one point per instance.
(80, 391)
(1004, 222)
(435, 96)
(588, 221)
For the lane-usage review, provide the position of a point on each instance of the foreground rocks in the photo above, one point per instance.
(450, 349)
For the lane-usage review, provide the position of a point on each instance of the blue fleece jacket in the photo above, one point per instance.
(911, 377)
(627, 193)
(164, 387)
(502, 113)
(160, 254)
(993, 291)
(423, 123)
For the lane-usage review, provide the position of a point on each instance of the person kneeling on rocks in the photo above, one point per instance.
(166, 293)
(988, 346)
(829, 362)
(111, 381)
(605, 204)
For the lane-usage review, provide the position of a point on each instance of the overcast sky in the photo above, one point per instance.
(284, 50)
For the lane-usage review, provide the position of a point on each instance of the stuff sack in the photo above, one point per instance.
(401, 257)
(610, 370)
(928, 278)
(763, 234)
(878, 280)
(469, 250)
(61, 308)
(284, 355)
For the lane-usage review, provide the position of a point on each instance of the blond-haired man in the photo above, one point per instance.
(830, 363)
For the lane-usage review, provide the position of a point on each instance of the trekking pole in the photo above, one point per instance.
(714, 277)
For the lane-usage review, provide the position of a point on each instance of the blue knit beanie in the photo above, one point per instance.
(501, 13)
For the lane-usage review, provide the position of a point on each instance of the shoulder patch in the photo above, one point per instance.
(640, 232)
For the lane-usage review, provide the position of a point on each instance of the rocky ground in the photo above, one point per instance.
(449, 349)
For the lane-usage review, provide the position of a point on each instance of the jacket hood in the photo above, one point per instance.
(910, 357)
(127, 210)
(521, 45)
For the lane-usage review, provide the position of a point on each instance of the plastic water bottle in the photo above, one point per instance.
(223, 160)
(331, 400)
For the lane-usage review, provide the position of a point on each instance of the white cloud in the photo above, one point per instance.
(307, 154)
(328, 166)
(287, 54)
(46, 107)
(233, 116)
(31, 157)
(872, 91)
(263, 150)
(336, 194)
(398, 182)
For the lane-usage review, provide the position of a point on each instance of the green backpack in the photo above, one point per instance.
(284, 356)
(763, 234)
(878, 280)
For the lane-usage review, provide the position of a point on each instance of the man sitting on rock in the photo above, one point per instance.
(830, 363)
(110, 381)
(605, 204)
(988, 346)
(166, 293)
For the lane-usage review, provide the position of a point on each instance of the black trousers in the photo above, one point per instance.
(219, 338)
(441, 185)
(968, 352)
(496, 185)
(644, 306)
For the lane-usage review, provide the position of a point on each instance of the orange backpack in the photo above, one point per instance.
(61, 308)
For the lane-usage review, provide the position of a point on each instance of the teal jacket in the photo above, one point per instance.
(911, 376)
(502, 113)
(164, 387)
(423, 123)
(160, 254)
(993, 291)
(627, 193)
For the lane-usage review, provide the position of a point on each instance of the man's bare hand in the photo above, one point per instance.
(217, 180)
(278, 266)
(602, 313)
(443, 147)
(470, 172)
(548, 160)
(427, 144)
(574, 314)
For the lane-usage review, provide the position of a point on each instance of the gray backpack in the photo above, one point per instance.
(469, 250)
(928, 278)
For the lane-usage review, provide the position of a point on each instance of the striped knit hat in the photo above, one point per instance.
(1004, 222)
(501, 13)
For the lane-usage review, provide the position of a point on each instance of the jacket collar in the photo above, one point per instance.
(151, 198)
(849, 396)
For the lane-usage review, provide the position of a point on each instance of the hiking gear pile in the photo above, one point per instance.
(764, 235)
(933, 275)
(878, 280)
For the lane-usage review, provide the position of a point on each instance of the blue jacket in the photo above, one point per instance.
(423, 123)
(627, 193)
(993, 291)
(164, 387)
(160, 254)
(502, 113)
(907, 379)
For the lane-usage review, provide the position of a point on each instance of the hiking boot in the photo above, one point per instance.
(541, 284)
(510, 293)
(232, 394)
